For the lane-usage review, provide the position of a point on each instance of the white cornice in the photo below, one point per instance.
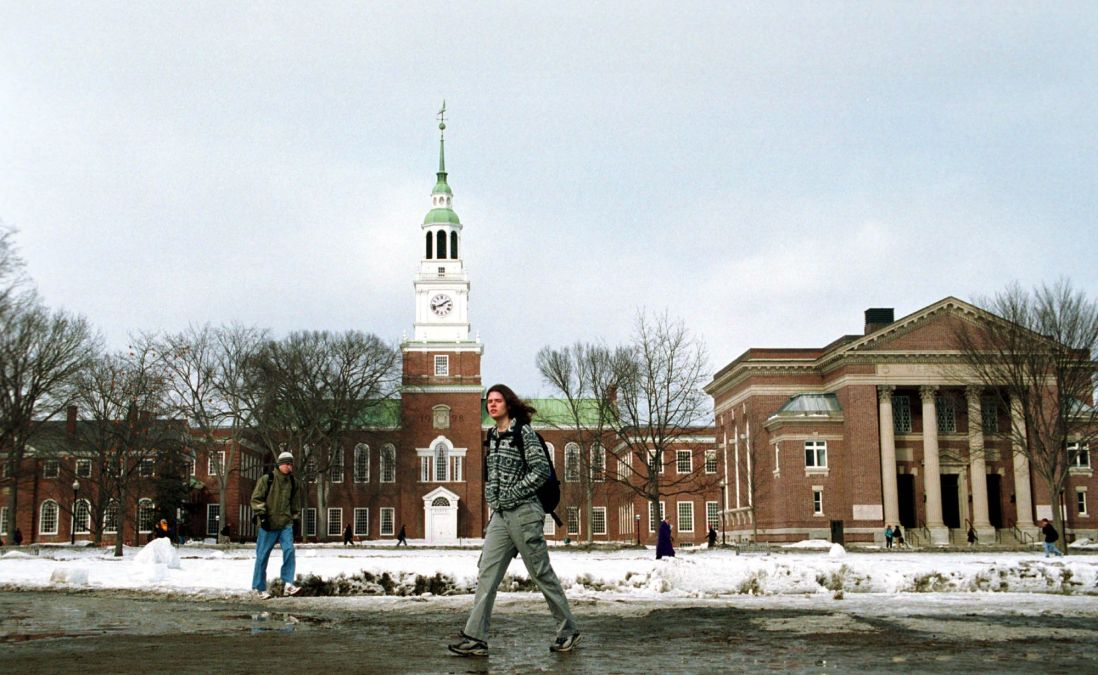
(443, 389)
(427, 346)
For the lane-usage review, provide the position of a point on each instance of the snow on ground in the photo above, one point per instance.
(805, 568)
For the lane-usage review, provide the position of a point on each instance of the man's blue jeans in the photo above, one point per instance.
(1050, 549)
(264, 543)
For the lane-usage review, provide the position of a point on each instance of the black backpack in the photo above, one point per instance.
(548, 492)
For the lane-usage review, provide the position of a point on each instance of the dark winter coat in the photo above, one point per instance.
(277, 511)
(663, 543)
(1050, 533)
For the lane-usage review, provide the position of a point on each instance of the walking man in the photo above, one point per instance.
(1051, 535)
(402, 536)
(276, 505)
(517, 466)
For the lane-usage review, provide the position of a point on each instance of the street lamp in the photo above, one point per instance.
(75, 491)
(637, 526)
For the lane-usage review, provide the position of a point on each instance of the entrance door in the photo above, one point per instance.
(995, 500)
(443, 517)
(905, 484)
(951, 500)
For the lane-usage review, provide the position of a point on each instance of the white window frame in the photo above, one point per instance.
(1079, 454)
(549, 529)
(654, 523)
(51, 468)
(713, 515)
(684, 458)
(388, 513)
(598, 463)
(146, 467)
(441, 455)
(710, 462)
(146, 507)
(817, 500)
(110, 517)
(335, 521)
(83, 468)
(598, 521)
(362, 521)
(81, 525)
(388, 463)
(688, 507)
(54, 510)
(655, 460)
(213, 519)
(1081, 502)
(442, 365)
(211, 466)
(818, 450)
(308, 521)
(625, 465)
(362, 463)
(573, 527)
(336, 467)
(571, 462)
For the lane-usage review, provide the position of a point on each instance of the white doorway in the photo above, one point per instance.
(440, 509)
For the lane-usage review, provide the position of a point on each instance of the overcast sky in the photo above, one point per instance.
(765, 172)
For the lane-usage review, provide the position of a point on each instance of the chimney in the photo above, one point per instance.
(877, 318)
(70, 420)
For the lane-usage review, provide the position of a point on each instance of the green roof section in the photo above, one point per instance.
(810, 405)
(556, 413)
(384, 414)
(442, 187)
(441, 215)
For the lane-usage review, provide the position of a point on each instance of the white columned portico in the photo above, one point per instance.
(1023, 498)
(440, 509)
(932, 480)
(889, 490)
(978, 467)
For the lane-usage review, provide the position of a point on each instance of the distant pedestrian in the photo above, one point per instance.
(972, 536)
(161, 530)
(888, 536)
(402, 536)
(517, 464)
(712, 537)
(1051, 535)
(276, 504)
(664, 541)
(348, 536)
(18, 537)
(897, 535)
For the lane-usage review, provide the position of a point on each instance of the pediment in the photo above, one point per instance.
(440, 491)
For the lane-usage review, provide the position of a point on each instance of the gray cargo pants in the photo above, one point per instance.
(519, 529)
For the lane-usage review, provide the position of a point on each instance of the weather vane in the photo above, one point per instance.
(442, 117)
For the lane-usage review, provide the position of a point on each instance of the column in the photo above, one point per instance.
(889, 491)
(1023, 498)
(932, 480)
(977, 467)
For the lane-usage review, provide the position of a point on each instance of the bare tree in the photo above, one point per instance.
(660, 404)
(40, 354)
(123, 432)
(1035, 351)
(314, 389)
(586, 376)
(206, 370)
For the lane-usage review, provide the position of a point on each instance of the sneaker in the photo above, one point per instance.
(261, 595)
(469, 647)
(565, 644)
(292, 590)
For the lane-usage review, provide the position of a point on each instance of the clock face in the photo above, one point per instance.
(441, 304)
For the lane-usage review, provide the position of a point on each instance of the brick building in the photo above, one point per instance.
(875, 429)
(418, 462)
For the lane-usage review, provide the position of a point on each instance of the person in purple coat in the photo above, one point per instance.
(663, 543)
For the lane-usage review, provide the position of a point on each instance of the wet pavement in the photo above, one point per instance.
(111, 632)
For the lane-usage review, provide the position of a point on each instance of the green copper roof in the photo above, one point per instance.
(556, 413)
(441, 215)
(442, 187)
(383, 414)
(810, 405)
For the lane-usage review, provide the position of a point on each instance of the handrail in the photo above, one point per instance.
(1021, 536)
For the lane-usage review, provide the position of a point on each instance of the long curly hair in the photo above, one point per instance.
(517, 409)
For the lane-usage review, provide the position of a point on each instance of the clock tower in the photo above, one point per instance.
(441, 396)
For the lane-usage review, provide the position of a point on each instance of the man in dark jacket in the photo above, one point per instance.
(1051, 535)
(276, 505)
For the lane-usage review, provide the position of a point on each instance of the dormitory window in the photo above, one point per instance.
(653, 517)
(310, 521)
(686, 516)
(81, 517)
(336, 469)
(335, 522)
(362, 522)
(51, 468)
(901, 414)
(989, 414)
(712, 514)
(947, 413)
(573, 519)
(598, 462)
(146, 513)
(571, 463)
(362, 463)
(598, 520)
(711, 461)
(815, 454)
(388, 515)
(1081, 500)
(683, 463)
(1079, 455)
(817, 501)
(110, 517)
(47, 518)
(83, 468)
(388, 464)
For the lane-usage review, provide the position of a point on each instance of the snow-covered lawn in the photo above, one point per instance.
(809, 568)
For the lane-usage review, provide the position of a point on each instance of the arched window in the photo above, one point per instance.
(388, 464)
(362, 463)
(598, 462)
(440, 245)
(454, 245)
(429, 242)
(47, 517)
(81, 517)
(572, 462)
(552, 454)
(145, 515)
(442, 463)
(440, 501)
(110, 517)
